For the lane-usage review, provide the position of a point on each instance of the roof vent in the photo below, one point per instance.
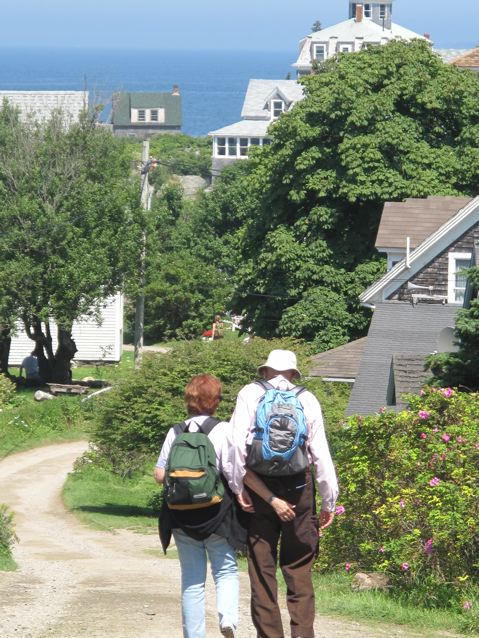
(176, 90)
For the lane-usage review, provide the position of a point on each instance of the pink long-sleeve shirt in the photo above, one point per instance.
(241, 432)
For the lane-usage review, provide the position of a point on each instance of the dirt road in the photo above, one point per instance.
(73, 581)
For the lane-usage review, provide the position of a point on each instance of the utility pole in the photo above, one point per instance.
(140, 302)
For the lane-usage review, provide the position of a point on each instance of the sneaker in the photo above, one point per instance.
(227, 632)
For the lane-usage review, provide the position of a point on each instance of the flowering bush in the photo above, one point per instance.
(409, 499)
(7, 391)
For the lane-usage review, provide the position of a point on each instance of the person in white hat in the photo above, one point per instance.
(283, 507)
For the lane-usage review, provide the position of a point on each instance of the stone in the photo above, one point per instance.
(373, 580)
(42, 396)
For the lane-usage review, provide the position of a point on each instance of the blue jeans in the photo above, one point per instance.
(193, 556)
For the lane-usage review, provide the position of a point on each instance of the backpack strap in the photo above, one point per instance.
(298, 390)
(265, 385)
(209, 424)
(179, 428)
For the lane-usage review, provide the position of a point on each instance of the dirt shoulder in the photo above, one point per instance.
(73, 581)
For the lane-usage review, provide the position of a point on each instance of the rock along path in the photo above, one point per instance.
(74, 581)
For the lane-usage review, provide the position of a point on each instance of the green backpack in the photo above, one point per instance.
(192, 480)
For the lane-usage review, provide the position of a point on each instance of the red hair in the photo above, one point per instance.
(202, 394)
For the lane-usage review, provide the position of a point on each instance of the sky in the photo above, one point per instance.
(214, 24)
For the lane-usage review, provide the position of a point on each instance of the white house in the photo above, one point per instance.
(95, 341)
(264, 102)
(369, 23)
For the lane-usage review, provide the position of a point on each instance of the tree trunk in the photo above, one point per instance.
(5, 342)
(43, 344)
(61, 372)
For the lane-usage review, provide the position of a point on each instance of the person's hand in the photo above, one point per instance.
(283, 509)
(325, 519)
(244, 499)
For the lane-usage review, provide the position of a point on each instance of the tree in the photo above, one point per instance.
(69, 214)
(316, 26)
(387, 123)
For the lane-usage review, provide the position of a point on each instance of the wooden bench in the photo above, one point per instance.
(58, 388)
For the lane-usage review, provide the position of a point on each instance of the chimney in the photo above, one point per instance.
(359, 12)
(427, 36)
(176, 90)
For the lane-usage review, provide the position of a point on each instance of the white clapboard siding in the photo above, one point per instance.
(94, 342)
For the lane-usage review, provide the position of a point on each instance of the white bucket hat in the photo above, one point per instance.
(281, 360)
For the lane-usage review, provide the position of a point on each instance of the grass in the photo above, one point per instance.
(7, 564)
(107, 501)
(334, 597)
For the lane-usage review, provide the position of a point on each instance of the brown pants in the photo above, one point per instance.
(298, 547)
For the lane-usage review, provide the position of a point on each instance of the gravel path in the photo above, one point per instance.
(73, 581)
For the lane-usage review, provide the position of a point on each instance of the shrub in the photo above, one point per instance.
(7, 391)
(135, 416)
(7, 533)
(409, 504)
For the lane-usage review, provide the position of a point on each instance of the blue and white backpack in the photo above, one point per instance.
(278, 447)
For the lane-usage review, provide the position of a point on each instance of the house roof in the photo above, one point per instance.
(244, 128)
(41, 104)
(338, 363)
(124, 102)
(449, 55)
(409, 376)
(397, 328)
(468, 60)
(434, 244)
(347, 31)
(415, 218)
(260, 91)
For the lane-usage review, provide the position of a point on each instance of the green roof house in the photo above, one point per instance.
(145, 114)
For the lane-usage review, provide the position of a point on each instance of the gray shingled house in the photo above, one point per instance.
(146, 114)
(428, 243)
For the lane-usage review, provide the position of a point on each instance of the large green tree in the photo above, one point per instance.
(70, 220)
(387, 123)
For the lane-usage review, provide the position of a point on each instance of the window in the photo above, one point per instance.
(243, 146)
(345, 48)
(368, 12)
(255, 141)
(154, 115)
(353, 10)
(382, 12)
(232, 146)
(141, 115)
(457, 279)
(320, 52)
(277, 107)
(395, 258)
(221, 145)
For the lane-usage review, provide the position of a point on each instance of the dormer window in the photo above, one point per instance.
(320, 52)
(277, 107)
(368, 10)
(141, 115)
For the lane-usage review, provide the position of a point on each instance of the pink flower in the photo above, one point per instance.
(477, 446)
(423, 435)
(402, 504)
(428, 547)
(467, 604)
(405, 567)
(421, 393)
(435, 430)
(340, 509)
(460, 439)
(447, 392)
(434, 481)
(381, 550)
(382, 410)
(424, 415)
(347, 567)
(445, 437)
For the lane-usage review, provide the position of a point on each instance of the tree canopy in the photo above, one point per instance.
(70, 234)
(301, 215)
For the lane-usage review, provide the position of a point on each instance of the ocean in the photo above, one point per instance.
(212, 83)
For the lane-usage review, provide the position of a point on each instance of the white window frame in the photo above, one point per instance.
(383, 11)
(277, 108)
(141, 115)
(154, 115)
(241, 148)
(453, 270)
(345, 47)
(368, 10)
(315, 52)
